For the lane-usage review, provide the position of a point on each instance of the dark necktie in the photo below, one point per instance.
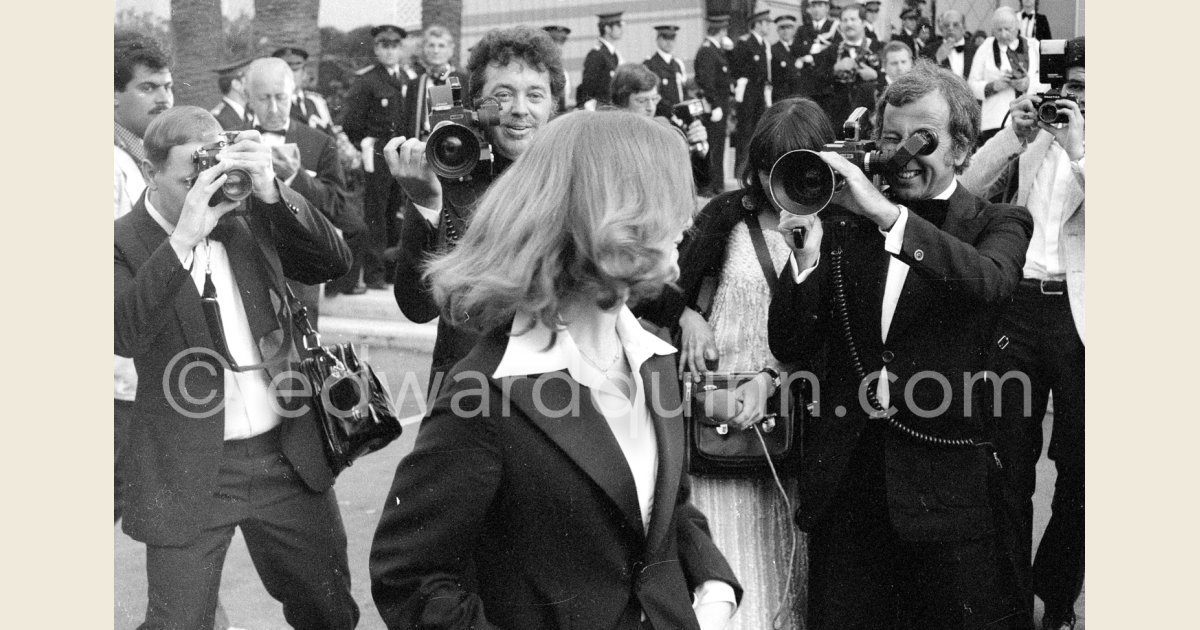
(251, 273)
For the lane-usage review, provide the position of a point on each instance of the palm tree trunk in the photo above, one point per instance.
(288, 23)
(199, 43)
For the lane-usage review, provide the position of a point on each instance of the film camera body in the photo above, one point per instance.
(238, 184)
(801, 182)
(456, 146)
(1053, 61)
(690, 111)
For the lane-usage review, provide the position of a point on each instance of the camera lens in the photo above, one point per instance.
(1049, 114)
(801, 182)
(452, 150)
(238, 184)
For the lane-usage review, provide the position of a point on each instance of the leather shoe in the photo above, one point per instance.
(378, 285)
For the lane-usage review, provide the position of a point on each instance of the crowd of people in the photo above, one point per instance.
(580, 264)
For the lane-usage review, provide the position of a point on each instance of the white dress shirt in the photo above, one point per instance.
(629, 419)
(1048, 205)
(250, 409)
(956, 58)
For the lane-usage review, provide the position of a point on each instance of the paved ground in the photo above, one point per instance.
(361, 489)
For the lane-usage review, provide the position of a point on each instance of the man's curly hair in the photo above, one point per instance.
(501, 46)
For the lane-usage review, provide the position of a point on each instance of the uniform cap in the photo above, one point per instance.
(376, 31)
(284, 51)
(611, 18)
(667, 31)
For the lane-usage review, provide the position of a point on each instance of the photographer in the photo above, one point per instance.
(635, 89)
(1005, 67)
(1041, 166)
(890, 302)
(522, 69)
(210, 448)
(849, 70)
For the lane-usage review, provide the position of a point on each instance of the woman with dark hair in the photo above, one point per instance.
(751, 523)
(546, 488)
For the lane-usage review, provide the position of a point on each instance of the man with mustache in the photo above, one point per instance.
(521, 68)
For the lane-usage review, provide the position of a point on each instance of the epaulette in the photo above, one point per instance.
(362, 71)
(216, 111)
(744, 37)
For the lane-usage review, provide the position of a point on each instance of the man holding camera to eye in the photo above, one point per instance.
(848, 70)
(892, 302)
(521, 70)
(1039, 162)
(216, 442)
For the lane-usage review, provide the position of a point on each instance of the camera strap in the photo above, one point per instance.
(760, 248)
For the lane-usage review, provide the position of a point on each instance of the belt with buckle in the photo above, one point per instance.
(1046, 287)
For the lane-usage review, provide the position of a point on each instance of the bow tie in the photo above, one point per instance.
(1027, 16)
(960, 47)
(932, 210)
(267, 131)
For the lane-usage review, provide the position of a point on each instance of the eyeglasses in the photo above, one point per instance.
(388, 43)
(645, 101)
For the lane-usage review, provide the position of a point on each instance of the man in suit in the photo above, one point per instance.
(1033, 24)
(312, 169)
(848, 71)
(376, 113)
(752, 75)
(784, 55)
(436, 51)
(1044, 166)
(215, 444)
(668, 68)
(892, 304)
(712, 76)
(232, 112)
(557, 529)
(601, 62)
(308, 107)
(957, 51)
(816, 34)
(438, 209)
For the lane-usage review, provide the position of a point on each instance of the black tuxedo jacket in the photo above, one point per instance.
(175, 442)
(596, 83)
(1041, 26)
(712, 75)
(506, 517)
(375, 107)
(962, 269)
(968, 57)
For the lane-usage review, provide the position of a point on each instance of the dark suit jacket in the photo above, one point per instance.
(375, 107)
(228, 118)
(419, 240)
(325, 192)
(786, 74)
(1041, 26)
(749, 61)
(712, 75)
(175, 444)
(416, 106)
(960, 274)
(505, 517)
(598, 68)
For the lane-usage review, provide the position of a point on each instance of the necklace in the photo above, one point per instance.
(603, 369)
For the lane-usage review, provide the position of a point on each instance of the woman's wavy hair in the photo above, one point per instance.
(591, 209)
(789, 125)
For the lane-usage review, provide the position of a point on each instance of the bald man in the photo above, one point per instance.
(1005, 67)
(304, 158)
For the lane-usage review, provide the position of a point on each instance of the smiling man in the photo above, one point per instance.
(898, 514)
(521, 68)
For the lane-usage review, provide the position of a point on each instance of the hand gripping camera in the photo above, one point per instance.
(689, 111)
(456, 146)
(1053, 61)
(802, 183)
(238, 184)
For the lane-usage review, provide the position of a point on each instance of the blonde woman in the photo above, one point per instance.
(546, 488)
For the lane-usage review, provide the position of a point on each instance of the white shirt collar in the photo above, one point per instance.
(949, 190)
(716, 42)
(530, 352)
(162, 222)
(610, 47)
(666, 56)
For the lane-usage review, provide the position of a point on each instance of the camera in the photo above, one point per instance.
(800, 182)
(238, 184)
(688, 112)
(1053, 61)
(456, 146)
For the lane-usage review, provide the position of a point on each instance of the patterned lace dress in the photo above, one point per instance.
(748, 517)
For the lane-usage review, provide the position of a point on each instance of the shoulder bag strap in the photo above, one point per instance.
(764, 254)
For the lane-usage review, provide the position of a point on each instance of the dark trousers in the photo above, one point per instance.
(122, 420)
(863, 575)
(295, 537)
(383, 199)
(1042, 342)
(716, 157)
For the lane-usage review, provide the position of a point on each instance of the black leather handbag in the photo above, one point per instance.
(718, 448)
(353, 407)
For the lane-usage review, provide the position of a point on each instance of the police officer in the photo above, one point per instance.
(816, 34)
(601, 62)
(308, 107)
(785, 56)
(375, 113)
(712, 76)
(753, 73)
(232, 112)
(671, 75)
